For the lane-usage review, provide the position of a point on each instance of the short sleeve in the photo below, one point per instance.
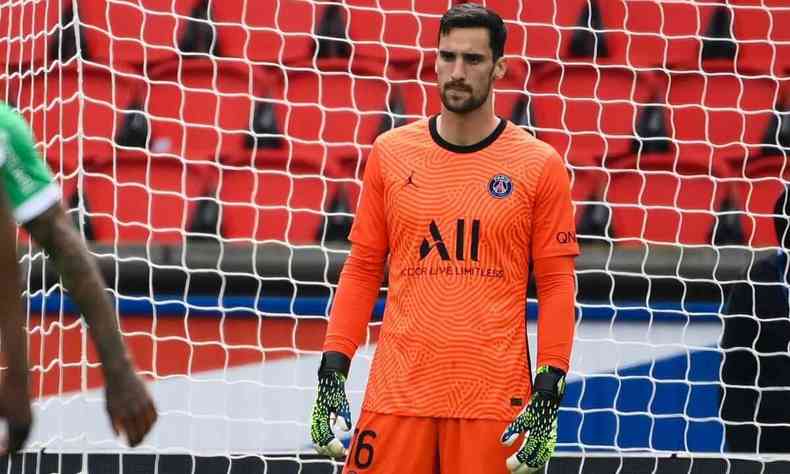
(370, 226)
(26, 177)
(553, 225)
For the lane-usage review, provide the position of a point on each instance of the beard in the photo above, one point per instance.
(471, 103)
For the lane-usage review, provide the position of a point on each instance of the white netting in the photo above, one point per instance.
(213, 153)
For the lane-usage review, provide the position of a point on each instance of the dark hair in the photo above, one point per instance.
(472, 15)
(781, 214)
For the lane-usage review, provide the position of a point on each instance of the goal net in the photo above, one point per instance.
(211, 153)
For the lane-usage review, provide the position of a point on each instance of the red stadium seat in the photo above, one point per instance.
(69, 107)
(285, 202)
(678, 31)
(588, 180)
(762, 35)
(549, 27)
(400, 32)
(259, 121)
(141, 198)
(666, 199)
(764, 179)
(667, 34)
(573, 30)
(634, 33)
(584, 111)
(511, 90)
(548, 31)
(201, 109)
(332, 115)
(421, 93)
(29, 28)
(273, 31)
(512, 13)
(720, 115)
(139, 32)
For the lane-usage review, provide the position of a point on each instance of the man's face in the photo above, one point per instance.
(465, 69)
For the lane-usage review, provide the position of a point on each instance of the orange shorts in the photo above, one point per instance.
(390, 444)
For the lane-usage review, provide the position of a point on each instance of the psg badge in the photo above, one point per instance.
(500, 186)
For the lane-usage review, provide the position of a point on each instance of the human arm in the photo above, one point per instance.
(357, 291)
(15, 392)
(538, 420)
(129, 405)
(556, 285)
(35, 199)
(553, 250)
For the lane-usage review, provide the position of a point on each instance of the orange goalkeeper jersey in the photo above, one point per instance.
(460, 225)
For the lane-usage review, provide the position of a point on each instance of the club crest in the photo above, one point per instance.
(500, 186)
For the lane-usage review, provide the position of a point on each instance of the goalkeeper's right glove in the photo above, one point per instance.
(331, 405)
(538, 422)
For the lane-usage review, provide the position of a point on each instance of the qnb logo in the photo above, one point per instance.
(437, 241)
(566, 237)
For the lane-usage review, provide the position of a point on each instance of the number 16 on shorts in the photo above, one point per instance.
(362, 451)
(392, 444)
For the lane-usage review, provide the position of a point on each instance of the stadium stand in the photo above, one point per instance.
(143, 197)
(286, 203)
(722, 116)
(584, 111)
(190, 132)
(762, 178)
(334, 76)
(393, 33)
(763, 42)
(666, 198)
(333, 114)
(285, 27)
(29, 29)
(57, 103)
(140, 34)
(201, 109)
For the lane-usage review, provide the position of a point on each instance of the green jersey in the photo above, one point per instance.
(26, 177)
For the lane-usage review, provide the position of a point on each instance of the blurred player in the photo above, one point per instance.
(34, 199)
(461, 204)
(756, 367)
(14, 391)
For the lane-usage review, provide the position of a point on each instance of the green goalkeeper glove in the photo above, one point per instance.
(538, 422)
(331, 405)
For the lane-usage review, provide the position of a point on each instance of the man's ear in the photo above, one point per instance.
(500, 68)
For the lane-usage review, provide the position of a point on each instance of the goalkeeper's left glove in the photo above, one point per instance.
(538, 421)
(331, 405)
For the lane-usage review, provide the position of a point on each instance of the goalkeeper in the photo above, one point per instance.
(27, 190)
(460, 204)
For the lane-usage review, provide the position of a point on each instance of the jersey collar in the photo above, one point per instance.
(465, 148)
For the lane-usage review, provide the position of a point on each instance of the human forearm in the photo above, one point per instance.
(14, 337)
(538, 420)
(12, 323)
(356, 296)
(555, 284)
(80, 275)
(129, 405)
